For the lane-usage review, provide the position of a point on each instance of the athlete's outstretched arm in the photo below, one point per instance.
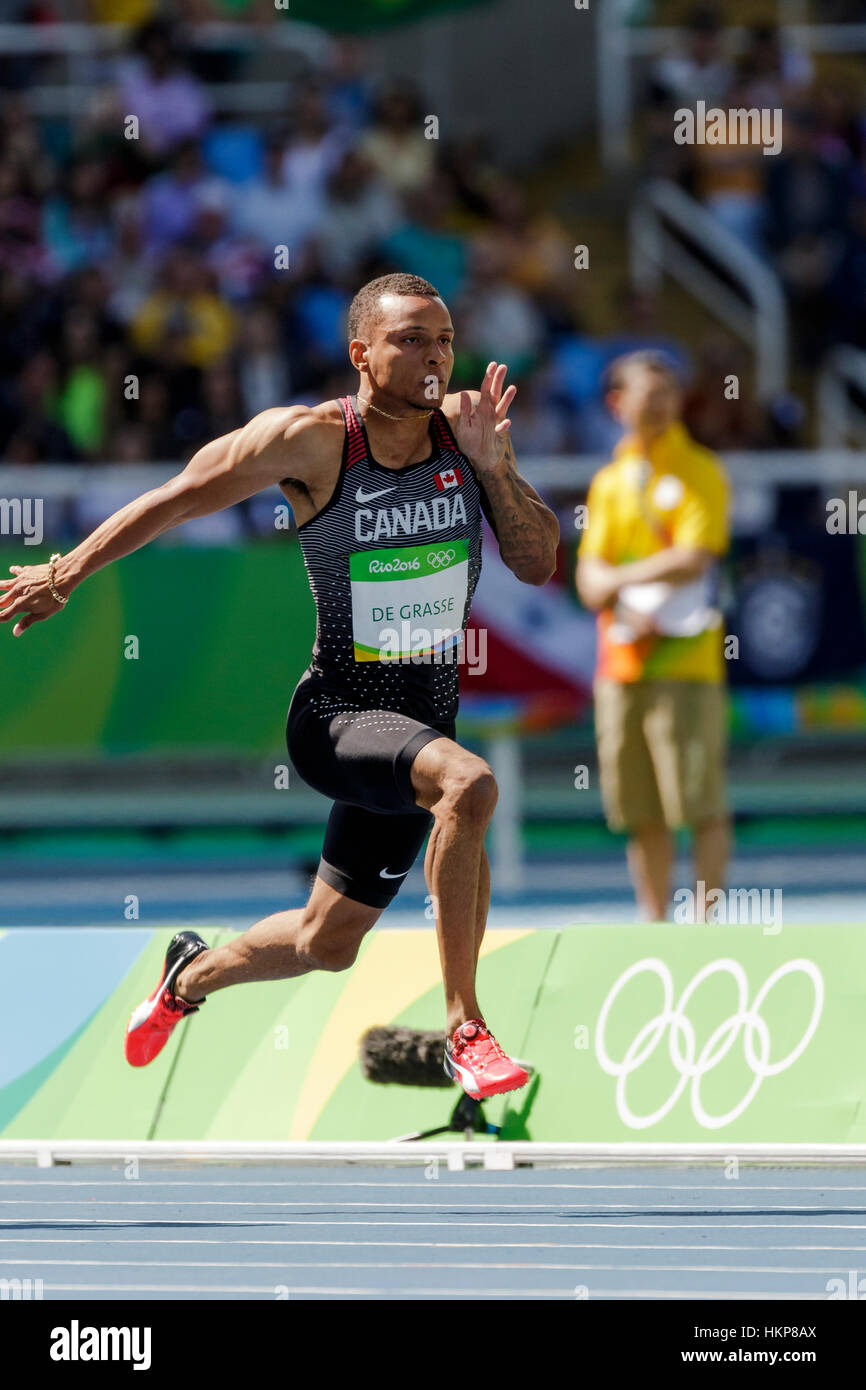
(527, 530)
(224, 472)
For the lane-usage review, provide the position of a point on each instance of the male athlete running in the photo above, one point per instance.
(387, 489)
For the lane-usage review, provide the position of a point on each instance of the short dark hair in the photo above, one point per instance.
(652, 359)
(363, 310)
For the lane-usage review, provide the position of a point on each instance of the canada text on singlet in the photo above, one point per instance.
(393, 560)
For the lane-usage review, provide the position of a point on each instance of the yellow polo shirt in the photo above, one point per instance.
(637, 506)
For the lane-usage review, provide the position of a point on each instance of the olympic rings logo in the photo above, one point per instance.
(440, 558)
(682, 1043)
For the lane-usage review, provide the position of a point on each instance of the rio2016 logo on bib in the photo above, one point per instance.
(408, 601)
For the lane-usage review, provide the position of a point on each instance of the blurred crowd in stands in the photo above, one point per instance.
(802, 210)
(157, 291)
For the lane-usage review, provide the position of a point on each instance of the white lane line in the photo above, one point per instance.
(740, 1208)
(434, 1244)
(412, 1264)
(563, 1245)
(705, 1295)
(446, 1180)
(114, 1222)
(390, 1291)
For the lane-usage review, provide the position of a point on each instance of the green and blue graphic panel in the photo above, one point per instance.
(669, 1033)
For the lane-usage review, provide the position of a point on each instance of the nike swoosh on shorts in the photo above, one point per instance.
(383, 873)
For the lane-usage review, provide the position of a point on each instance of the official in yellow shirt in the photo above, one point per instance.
(657, 525)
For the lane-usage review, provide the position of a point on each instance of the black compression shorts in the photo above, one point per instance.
(362, 760)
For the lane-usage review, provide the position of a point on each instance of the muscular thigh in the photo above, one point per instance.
(359, 757)
(365, 762)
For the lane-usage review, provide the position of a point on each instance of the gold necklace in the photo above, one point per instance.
(421, 415)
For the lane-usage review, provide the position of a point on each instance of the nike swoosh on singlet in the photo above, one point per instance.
(383, 873)
(361, 496)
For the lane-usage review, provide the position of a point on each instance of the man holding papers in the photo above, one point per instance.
(657, 527)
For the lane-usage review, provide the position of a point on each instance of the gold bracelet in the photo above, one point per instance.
(54, 594)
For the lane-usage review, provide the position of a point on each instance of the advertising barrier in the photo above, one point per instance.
(676, 1034)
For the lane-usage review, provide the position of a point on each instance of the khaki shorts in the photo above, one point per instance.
(661, 752)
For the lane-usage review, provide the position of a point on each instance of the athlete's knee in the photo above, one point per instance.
(323, 945)
(332, 955)
(321, 950)
(469, 790)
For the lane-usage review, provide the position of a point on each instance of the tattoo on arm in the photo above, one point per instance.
(527, 531)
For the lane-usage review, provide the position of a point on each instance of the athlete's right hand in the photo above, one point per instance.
(28, 594)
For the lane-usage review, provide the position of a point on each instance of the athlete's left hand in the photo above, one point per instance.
(483, 428)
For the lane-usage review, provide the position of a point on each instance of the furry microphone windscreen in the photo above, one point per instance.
(404, 1057)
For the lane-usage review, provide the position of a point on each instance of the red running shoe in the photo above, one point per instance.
(153, 1022)
(474, 1058)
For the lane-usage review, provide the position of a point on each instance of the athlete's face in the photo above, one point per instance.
(648, 400)
(409, 354)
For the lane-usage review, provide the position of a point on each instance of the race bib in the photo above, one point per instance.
(408, 602)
